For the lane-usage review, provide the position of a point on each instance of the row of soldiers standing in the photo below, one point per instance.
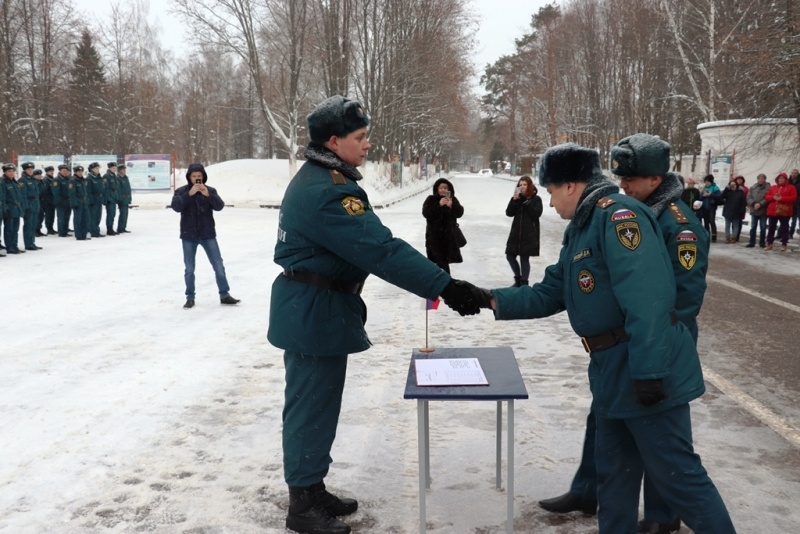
(37, 198)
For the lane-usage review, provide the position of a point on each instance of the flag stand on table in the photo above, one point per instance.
(429, 305)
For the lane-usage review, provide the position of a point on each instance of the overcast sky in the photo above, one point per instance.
(501, 21)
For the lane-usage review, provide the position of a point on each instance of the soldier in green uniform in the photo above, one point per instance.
(60, 189)
(30, 195)
(13, 208)
(112, 194)
(123, 199)
(329, 241)
(642, 163)
(78, 190)
(47, 215)
(615, 279)
(97, 187)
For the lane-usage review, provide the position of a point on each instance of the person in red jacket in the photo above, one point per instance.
(780, 207)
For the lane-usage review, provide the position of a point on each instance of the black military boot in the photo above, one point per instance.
(308, 516)
(333, 504)
(563, 504)
(516, 281)
(523, 282)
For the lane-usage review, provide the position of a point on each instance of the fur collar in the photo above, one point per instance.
(595, 190)
(318, 153)
(668, 190)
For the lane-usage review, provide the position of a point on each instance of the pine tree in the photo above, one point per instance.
(88, 110)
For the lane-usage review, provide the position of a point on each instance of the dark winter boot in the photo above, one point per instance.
(308, 516)
(523, 282)
(333, 504)
(517, 281)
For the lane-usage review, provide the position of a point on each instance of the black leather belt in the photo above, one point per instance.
(606, 340)
(613, 337)
(325, 282)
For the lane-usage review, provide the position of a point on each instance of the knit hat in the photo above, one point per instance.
(640, 155)
(337, 116)
(569, 162)
(196, 167)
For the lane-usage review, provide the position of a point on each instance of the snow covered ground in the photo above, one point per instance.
(122, 412)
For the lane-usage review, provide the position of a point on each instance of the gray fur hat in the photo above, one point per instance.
(640, 155)
(337, 116)
(567, 163)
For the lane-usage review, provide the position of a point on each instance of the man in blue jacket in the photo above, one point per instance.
(615, 280)
(329, 241)
(197, 203)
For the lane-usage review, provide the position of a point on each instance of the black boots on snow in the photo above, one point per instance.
(520, 282)
(313, 510)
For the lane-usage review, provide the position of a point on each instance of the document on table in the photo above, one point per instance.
(450, 372)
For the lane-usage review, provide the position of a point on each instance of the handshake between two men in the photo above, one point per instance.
(465, 298)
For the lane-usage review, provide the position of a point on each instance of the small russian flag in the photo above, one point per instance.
(432, 304)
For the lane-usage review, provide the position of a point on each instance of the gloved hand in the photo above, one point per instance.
(458, 295)
(649, 392)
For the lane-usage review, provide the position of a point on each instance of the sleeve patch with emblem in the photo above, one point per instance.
(622, 215)
(686, 236)
(629, 235)
(687, 255)
(353, 205)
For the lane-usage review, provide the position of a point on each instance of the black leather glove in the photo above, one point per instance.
(649, 392)
(458, 295)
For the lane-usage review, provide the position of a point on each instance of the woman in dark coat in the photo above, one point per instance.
(734, 204)
(441, 209)
(523, 241)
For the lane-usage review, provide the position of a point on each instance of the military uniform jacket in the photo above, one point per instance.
(46, 196)
(687, 246)
(78, 189)
(124, 190)
(96, 188)
(112, 187)
(60, 189)
(613, 270)
(328, 227)
(13, 206)
(30, 192)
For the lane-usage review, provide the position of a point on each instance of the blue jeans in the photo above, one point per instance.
(761, 221)
(732, 227)
(214, 256)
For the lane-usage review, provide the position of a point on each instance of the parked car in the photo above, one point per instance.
(485, 172)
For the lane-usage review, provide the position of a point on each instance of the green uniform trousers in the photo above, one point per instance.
(313, 401)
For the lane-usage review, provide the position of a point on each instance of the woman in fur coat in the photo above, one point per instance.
(523, 240)
(441, 211)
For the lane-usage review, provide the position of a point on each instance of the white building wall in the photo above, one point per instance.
(768, 146)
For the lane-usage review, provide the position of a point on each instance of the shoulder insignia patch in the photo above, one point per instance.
(55, 183)
(70, 186)
(677, 213)
(353, 205)
(687, 255)
(686, 236)
(338, 178)
(586, 281)
(629, 235)
(605, 202)
(622, 214)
